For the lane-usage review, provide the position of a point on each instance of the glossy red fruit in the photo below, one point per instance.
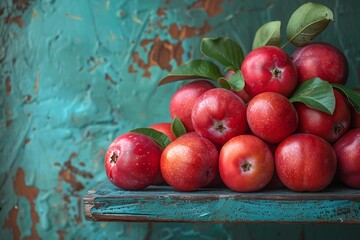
(132, 161)
(246, 163)
(347, 150)
(219, 115)
(189, 162)
(271, 116)
(321, 60)
(269, 69)
(182, 102)
(305, 162)
(329, 127)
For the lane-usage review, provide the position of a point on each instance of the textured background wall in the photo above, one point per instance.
(75, 74)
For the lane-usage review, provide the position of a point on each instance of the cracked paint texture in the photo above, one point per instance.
(76, 74)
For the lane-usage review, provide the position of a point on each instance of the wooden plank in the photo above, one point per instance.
(163, 204)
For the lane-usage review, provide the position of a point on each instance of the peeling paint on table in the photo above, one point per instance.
(76, 74)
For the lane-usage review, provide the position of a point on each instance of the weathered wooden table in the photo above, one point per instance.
(164, 204)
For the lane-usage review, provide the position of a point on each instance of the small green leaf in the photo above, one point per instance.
(352, 95)
(317, 94)
(224, 50)
(193, 69)
(224, 83)
(268, 34)
(236, 81)
(162, 139)
(177, 127)
(306, 22)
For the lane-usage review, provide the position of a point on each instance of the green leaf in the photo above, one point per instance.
(162, 139)
(268, 34)
(352, 95)
(236, 81)
(224, 83)
(309, 20)
(224, 50)
(317, 94)
(177, 127)
(193, 69)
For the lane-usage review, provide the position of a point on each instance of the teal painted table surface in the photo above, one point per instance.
(164, 204)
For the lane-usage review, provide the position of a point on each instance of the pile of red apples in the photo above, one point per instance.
(252, 139)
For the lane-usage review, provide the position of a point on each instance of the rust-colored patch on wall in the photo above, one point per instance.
(184, 32)
(160, 54)
(212, 8)
(22, 5)
(11, 223)
(110, 79)
(69, 172)
(30, 193)
(8, 85)
(161, 11)
(17, 20)
(61, 234)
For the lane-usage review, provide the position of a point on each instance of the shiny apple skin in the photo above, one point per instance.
(219, 115)
(271, 116)
(246, 163)
(305, 163)
(189, 162)
(321, 60)
(347, 150)
(269, 69)
(328, 126)
(132, 161)
(182, 102)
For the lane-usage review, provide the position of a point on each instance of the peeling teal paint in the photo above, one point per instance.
(75, 74)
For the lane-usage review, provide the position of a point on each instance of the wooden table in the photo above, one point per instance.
(163, 204)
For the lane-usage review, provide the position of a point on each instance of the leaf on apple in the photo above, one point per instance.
(193, 69)
(160, 138)
(237, 81)
(352, 95)
(224, 50)
(306, 22)
(268, 34)
(177, 127)
(224, 83)
(315, 93)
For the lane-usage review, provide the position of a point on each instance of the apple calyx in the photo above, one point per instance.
(245, 166)
(338, 128)
(219, 126)
(276, 73)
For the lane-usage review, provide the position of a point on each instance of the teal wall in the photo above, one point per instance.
(76, 74)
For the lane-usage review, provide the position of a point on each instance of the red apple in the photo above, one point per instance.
(132, 161)
(219, 115)
(182, 102)
(246, 163)
(347, 150)
(269, 69)
(321, 60)
(305, 162)
(329, 127)
(242, 93)
(189, 162)
(271, 116)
